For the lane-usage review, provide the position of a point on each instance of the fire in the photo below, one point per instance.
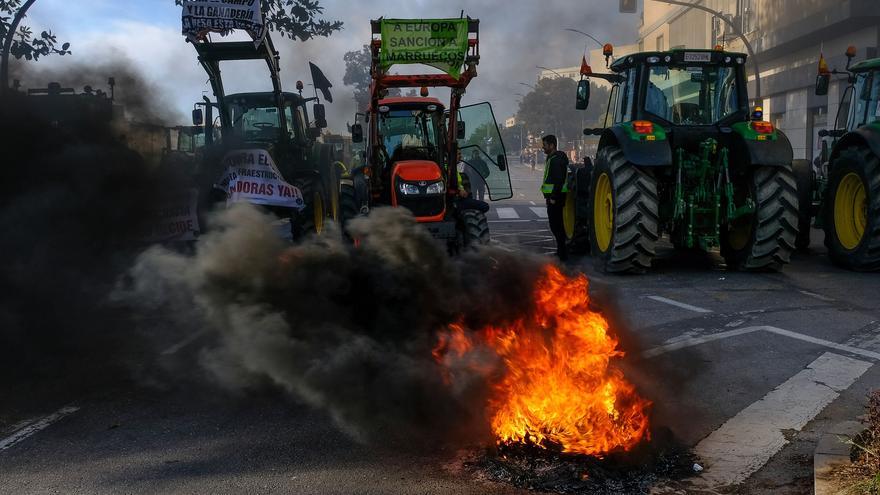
(556, 388)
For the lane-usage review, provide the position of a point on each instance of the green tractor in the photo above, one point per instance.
(684, 156)
(273, 123)
(847, 187)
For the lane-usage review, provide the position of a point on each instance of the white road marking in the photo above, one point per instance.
(690, 342)
(532, 202)
(541, 211)
(817, 296)
(36, 425)
(693, 341)
(507, 213)
(680, 304)
(183, 343)
(743, 444)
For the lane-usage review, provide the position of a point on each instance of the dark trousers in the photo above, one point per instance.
(557, 227)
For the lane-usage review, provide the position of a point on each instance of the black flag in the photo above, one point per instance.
(321, 82)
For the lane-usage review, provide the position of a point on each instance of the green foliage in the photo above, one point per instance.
(295, 19)
(357, 74)
(24, 44)
(549, 109)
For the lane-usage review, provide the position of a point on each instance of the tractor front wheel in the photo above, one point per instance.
(852, 210)
(625, 209)
(765, 239)
(311, 220)
(473, 229)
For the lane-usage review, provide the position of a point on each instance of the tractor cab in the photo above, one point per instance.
(865, 108)
(689, 94)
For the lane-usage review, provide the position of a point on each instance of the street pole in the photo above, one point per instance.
(7, 45)
(736, 30)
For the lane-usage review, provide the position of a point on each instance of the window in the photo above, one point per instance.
(627, 93)
(867, 99)
(700, 95)
(660, 43)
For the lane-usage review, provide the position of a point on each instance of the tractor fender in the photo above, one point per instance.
(771, 153)
(641, 153)
(867, 136)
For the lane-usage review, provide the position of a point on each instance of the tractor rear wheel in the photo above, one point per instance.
(765, 239)
(803, 175)
(625, 209)
(852, 210)
(311, 219)
(474, 229)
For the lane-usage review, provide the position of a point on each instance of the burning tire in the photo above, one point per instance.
(474, 229)
(852, 210)
(803, 174)
(625, 214)
(765, 239)
(311, 220)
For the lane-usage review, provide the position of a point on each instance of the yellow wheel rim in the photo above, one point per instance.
(318, 211)
(568, 214)
(850, 211)
(603, 212)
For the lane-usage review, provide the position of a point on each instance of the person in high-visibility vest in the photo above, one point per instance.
(554, 188)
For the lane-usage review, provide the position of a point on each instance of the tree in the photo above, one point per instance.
(357, 74)
(549, 109)
(19, 41)
(295, 19)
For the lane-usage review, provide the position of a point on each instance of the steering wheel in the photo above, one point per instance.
(263, 125)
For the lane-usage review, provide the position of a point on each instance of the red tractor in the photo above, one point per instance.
(412, 150)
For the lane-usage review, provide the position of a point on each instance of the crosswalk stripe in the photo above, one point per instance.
(507, 213)
(743, 444)
(541, 211)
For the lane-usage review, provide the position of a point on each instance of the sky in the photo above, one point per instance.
(515, 36)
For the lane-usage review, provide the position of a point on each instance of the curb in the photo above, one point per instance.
(832, 452)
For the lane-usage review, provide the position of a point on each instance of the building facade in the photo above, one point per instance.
(786, 37)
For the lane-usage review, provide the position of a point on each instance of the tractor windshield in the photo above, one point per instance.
(255, 117)
(866, 100)
(410, 134)
(692, 95)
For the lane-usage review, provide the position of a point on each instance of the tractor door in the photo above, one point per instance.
(483, 151)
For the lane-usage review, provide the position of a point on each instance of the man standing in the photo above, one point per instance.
(554, 188)
(477, 170)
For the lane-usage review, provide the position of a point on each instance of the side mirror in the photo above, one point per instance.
(198, 117)
(583, 95)
(314, 132)
(593, 131)
(320, 116)
(460, 130)
(501, 160)
(357, 133)
(823, 155)
(822, 81)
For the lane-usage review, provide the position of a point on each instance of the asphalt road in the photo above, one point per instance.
(748, 368)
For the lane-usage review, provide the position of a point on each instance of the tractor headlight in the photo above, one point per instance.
(436, 188)
(407, 188)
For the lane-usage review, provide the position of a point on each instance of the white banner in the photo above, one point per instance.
(200, 17)
(251, 176)
(175, 219)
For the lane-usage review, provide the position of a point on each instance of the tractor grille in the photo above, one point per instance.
(423, 205)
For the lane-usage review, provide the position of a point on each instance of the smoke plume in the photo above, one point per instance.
(346, 329)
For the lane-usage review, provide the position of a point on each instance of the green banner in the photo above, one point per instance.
(440, 43)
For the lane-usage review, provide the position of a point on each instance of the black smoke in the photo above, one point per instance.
(350, 330)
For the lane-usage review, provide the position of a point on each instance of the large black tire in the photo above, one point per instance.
(312, 219)
(474, 229)
(625, 205)
(803, 176)
(348, 205)
(765, 239)
(861, 168)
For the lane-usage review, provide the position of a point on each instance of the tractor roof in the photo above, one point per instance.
(866, 65)
(267, 95)
(411, 101)
(677, 57)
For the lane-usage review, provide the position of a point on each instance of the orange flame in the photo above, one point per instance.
(557, 387)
